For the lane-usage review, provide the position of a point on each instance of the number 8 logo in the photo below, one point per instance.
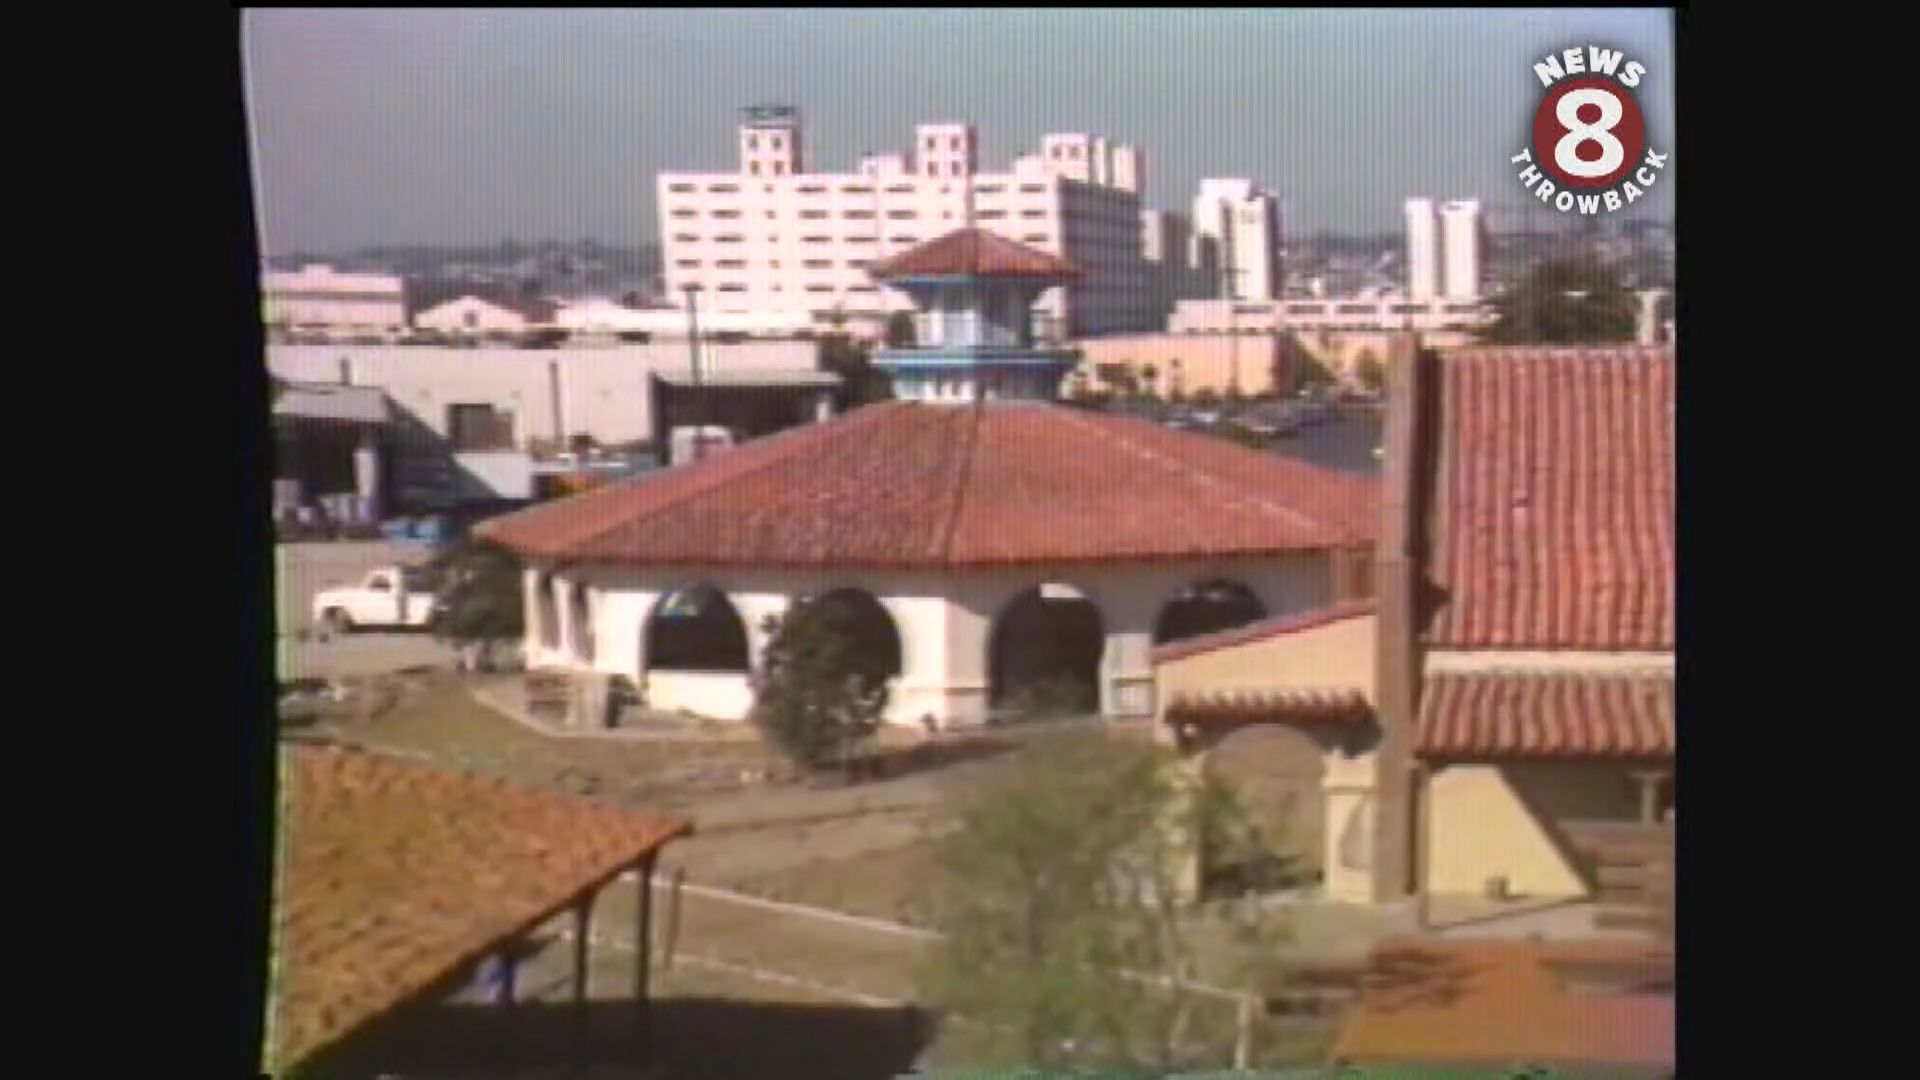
(1612, 153)
(1588, 133)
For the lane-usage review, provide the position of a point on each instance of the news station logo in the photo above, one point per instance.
(1589, 151)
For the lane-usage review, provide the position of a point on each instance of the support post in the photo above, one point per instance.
(582, 933)
(672, 941)
(1420, 789)
(1649, 796)
(643, 957)
(505, 974)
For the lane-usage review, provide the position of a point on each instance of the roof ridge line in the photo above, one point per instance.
(696, 490)
(1204, 479)
(960, 494)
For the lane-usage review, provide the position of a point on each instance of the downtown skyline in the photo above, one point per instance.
(379, 128)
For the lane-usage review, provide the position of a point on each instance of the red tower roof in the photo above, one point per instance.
(975, 253)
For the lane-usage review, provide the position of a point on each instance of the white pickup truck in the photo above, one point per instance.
(388, 597)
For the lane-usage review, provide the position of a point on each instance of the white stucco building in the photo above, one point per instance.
(480, 315)
(317, 297)
(987, 539)
(775, 234)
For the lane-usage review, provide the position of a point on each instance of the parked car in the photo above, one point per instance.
(388, 597)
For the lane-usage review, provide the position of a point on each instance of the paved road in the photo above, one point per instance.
(359, 655)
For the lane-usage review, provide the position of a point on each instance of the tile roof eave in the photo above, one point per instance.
(378, 772)
(970, 564)
(1262, 629)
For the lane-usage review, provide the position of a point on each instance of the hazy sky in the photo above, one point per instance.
(383, 127)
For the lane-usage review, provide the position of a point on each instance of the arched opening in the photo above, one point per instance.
(582, 628)
(859, 616)
(1277, 774)
(695, 629)
(549, 610)
(1206, 608)
(1044, 654)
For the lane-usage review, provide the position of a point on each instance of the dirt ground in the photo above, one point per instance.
(863, 849)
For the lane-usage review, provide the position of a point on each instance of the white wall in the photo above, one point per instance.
(945, 622)
(470, 314)
(317, 295)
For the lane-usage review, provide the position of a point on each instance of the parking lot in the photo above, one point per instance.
(303, 569)
(358, 655)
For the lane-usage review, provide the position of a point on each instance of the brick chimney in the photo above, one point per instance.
(1397, 570)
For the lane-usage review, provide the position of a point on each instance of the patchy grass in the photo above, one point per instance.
(866, 849)
(892, 883)
(433, 717)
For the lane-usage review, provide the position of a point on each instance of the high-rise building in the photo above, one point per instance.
(1423, 254)
(1167, 244)
(770, 141)
(773, 237)
(1460, 235)
(1443, 249)
(1243, 223)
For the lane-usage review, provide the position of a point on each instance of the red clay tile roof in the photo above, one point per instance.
(974, 253)
(1261, 629)
(394, 876)
(1293, 705)
(1505, 1003)
(1554, 499)
(909, 485)
(1503, 715)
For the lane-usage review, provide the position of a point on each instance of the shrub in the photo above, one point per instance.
(816, 698)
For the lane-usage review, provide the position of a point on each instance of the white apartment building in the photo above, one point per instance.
(1460, 236)
(1423, 251)
(1443, 249)
(317, 297)
(1242, 222)
(773, 237)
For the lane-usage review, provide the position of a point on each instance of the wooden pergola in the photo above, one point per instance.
(396, 878)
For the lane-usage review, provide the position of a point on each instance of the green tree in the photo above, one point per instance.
(1565, 302)
(900, 330)
(1119, 379)
(1205, 397)
(1297, 368)
(1068, 939)
(481, 597)
(860, 382)
(819, 696)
